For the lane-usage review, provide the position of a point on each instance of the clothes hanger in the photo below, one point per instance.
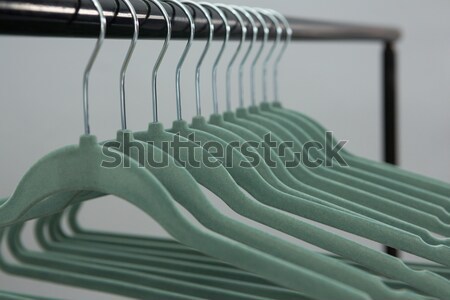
(239, 127)
(390, 282)
(143, 263)
(396, 284)
(367, 212)
(50, 273)
(222, 278)
(180, 102)
(262, 132)
(356, 195)
(351, 176)
(385, 170)
(201, 127)
(154, 243)
(146, 277)
(178, 93)
(214, 218)
(182, 247)
(139, 244)
(363, 185)
(135, 184)
(43, 271)
(179, 114)
(242, 135)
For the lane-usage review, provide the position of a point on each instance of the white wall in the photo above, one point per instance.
(337, 83)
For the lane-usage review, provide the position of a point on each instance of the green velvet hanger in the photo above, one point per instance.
(139, 241)
(87, 147)
(429, 222)
(79, 168)
(102, 244)
(155, 135)
(354, 178)
(135, 182)
(302, 133)
(85, 281)
(141, 245)
(362, 197)
(347, 250)
(61, 170)
(399, 176)
(195, 272)
(393, 172)
(317, 132)
(91, 267)
(179, 126)
(378, 189)
(300, 175)
(138, 187)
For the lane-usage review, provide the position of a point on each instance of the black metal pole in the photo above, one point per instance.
(390, 112)
(79, 18)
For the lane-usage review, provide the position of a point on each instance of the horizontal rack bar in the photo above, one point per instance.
(78, 18)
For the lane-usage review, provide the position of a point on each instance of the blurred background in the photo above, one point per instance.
(337, 83)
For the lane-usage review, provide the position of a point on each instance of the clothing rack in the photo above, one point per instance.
(78, 18)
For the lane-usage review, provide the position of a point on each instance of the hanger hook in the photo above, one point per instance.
(160, 58)
(255, 31)
(203, 55)
(279, 32)
(219, 56)
(183, 55)
(237, 51)
(260, 50)
(286, 43)
(126, 62)
(87, 70)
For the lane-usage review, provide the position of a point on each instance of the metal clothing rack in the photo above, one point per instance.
(78, 18)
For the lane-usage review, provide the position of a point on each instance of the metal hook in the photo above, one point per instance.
(160, 58)
(87, 70)
(237, 51)
(261, 48)
(127, 61)
(275, 45)
(203, 55)
(183, 55)
(219, 56)
(287, 41)
(255, 31)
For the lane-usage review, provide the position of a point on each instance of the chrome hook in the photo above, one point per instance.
(237, 51)
(159, 60)
(275, 45)
(87, 70)
(203, 55)
(287, 41)
(183, 55)
(255, 31)
(260, 51)
(219, 56)
(126, 62)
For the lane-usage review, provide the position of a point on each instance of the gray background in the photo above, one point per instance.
(337, 83)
